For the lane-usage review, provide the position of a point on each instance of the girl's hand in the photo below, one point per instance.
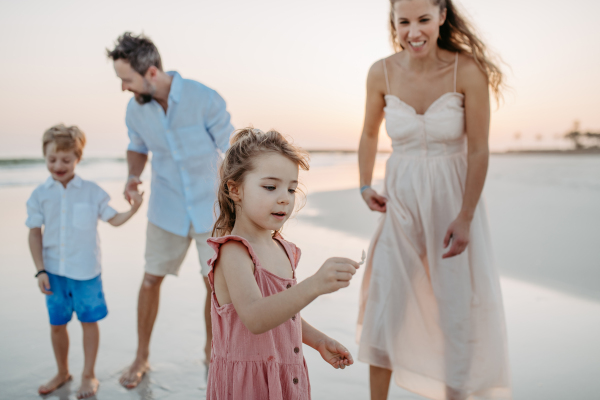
(459, 233)
(334, 353)
(335, 274)
(375, 201)
(136, 199)
(44, 283)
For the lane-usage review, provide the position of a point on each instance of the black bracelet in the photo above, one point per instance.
(41, 272)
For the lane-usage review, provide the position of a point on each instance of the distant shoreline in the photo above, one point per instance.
(7, 162)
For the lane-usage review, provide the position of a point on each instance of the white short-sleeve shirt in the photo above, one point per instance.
(70, 219)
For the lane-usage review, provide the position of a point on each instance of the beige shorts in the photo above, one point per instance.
(165, 251)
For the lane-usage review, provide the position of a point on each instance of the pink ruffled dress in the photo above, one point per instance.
(245, 366)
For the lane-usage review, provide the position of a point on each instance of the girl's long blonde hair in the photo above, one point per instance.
(457, 35)
(246, 145)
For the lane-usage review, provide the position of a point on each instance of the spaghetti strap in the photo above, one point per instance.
(387, 83)
(455, 69)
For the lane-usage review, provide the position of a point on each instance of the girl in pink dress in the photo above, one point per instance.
(256, 301)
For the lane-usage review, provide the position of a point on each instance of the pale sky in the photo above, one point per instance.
(299, 67)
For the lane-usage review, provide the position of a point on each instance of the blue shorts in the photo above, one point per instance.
(86, 298)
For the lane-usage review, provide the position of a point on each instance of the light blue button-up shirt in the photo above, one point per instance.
(71, 246)
(185, 144)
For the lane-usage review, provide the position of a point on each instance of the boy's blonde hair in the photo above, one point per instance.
(66, 138)
(246, 145)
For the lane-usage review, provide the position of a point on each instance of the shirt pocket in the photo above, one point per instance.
(84, 216)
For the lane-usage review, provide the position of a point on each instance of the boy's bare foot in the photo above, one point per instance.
(88, 388)
(134, 374)
(54, 383)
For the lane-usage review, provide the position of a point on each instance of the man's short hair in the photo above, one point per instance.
(139, 51)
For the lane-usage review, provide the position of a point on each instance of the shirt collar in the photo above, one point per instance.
(176, 85)
(75, 182)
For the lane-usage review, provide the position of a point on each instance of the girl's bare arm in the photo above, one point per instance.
(261, 314)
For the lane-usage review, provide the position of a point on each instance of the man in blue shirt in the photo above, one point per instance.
(185, 125)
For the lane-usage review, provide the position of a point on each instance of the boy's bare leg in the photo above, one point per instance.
(147, 310)
(60, 344)
(207, 320)
(91, 341)
(379, 382)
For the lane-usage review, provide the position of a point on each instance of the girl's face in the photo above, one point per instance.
(61, 164)
(417, 25)
(267, 195)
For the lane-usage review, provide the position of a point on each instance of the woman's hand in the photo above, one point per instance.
(458, 233)
(334, 353)
(44, 283)
(375, 201)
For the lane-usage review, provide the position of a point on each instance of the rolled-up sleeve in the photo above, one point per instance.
(218, 122)
(105, 211)
(35, 217)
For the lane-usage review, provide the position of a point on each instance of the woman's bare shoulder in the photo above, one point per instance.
(469, 74)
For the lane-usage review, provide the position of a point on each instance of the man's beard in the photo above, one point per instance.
(143, 98)
(148, 95)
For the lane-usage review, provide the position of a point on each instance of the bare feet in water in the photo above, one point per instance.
(88, 388)
(54, 383)
(134, 374)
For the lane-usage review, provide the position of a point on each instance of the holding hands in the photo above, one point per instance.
(131, 186)
(135, 198)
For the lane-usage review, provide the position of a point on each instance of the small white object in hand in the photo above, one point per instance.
(363, 257)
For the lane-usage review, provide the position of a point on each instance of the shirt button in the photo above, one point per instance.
(187, 188)
(62, 259)
(63, 211)
(289, 285)
(296, 350)
(62, 244)
(63, 228)
(295, 381)
(189, 208)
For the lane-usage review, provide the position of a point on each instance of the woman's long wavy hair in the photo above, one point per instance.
(457, 35)
(246, 145)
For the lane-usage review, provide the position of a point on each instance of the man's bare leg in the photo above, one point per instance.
(147, 310)
(207, 320)
(380, 382)
(91, 341)
(60, 344)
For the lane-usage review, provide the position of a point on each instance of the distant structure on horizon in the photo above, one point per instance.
(587, 140)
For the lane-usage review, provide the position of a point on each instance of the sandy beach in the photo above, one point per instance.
(545, 224)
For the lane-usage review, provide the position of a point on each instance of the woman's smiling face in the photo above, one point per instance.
(417, 25)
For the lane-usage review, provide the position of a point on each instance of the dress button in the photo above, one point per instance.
(296, 350)
(289, 285)
(295, 381)
(294, 318)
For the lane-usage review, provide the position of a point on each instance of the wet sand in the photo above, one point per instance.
(545, 228)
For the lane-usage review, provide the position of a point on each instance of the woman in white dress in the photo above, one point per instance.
(431, 308)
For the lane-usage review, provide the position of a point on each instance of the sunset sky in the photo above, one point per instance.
(297, 66)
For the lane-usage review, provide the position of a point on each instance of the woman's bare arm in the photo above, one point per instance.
(477, 120)
(367, 150)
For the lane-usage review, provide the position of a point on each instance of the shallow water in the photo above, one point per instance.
(545, 227)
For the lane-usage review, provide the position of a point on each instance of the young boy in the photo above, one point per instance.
(66, 255)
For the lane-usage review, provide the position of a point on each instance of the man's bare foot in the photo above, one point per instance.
(54, 383)
(88, 388)
(134, 374)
